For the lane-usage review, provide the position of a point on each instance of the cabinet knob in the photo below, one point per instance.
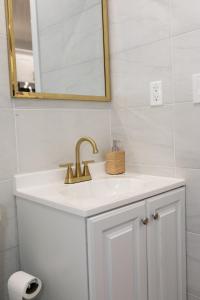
(156, 216)
(145, 221)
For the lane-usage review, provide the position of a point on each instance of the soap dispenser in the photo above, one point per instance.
(115, 160)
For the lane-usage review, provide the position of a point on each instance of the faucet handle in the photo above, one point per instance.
(70, 175)
(86, 171)
(67, 165)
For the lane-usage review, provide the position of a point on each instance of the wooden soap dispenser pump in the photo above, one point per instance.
(115, 160)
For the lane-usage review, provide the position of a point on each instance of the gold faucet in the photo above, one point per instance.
(80, 175)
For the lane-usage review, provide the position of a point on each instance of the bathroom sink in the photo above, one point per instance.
(105, 187)
(103, 193)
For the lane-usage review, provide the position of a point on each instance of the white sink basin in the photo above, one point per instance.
(105, 187)
(85, 199)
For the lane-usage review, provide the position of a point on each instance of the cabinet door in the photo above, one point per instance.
(117, 254)
(166, 246)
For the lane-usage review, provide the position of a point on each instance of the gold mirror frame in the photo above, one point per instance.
(15, 93)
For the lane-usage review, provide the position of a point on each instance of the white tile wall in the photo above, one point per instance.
(35, 135)
(135, 23)
(186, 57)
(187, 135)
(7, 204)
(7, 149)
(147, 134)
(152, 62)
(160, 40)
(152, 170)
(8, 264)
(185, 16)
(44, 142)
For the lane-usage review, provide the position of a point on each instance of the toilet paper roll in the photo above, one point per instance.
(23, 286)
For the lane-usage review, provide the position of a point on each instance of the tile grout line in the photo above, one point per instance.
(9, 249)
(171, 35)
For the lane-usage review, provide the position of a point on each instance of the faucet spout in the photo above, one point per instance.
(78, 146)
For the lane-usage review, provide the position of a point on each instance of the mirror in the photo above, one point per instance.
(59, 49)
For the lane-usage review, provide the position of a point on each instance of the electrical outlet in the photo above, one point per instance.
(156, 93)
(196, 88)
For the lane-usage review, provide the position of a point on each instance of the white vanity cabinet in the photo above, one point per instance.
(134, 252)
(117, 254)
(132, 259)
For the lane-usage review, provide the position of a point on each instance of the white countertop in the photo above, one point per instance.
(103, 193)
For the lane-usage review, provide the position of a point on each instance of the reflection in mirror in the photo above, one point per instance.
(60, 48)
